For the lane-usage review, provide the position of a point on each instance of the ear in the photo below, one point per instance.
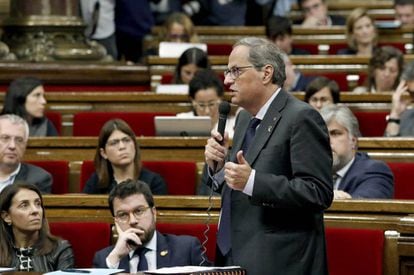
(268, 73)
(6, 217)
(154, 212)
(354, 142)
(102, 153)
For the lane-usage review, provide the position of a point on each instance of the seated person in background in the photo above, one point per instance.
(355, 175)
(206, 92)
(139, 246)
(315, 13)
(190, 61)
(384, 70)
(14, 133)
(295, 80)
(279, 31)
(401, 117)
(404, 11)
(361, 33)
(25, 97)
(25, 241)
(178, 28)
(322, 92)
(117, 159)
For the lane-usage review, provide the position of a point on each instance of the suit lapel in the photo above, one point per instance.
(124, 264)
(163, 252)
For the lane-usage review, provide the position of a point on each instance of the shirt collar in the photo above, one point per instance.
(341, 172)
(151, 245)
(260, 115)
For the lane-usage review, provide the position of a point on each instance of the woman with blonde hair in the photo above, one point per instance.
(361, 33)
(178, 28)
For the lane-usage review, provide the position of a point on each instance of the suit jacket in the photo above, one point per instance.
(280, 229)
(36, 176)
(302, 83)
(182, 250)
(368, 178)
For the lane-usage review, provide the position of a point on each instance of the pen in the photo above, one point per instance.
(74, 270)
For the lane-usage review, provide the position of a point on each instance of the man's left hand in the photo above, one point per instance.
(237, 174)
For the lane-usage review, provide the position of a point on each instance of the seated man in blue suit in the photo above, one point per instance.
(355, 174)
(139, 246)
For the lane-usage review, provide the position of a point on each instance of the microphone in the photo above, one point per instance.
(224, 110)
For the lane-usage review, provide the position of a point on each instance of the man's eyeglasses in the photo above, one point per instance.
(116, 142)
(204, 105)
(6, 139)
(123, 217)
(235, 72)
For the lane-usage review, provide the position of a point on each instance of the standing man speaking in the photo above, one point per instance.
(276, 180)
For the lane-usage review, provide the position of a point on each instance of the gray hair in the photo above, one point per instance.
(408, 73)
(344, 116)
(263, 52)
(15, 119)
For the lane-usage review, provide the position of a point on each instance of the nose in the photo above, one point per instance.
(132, 219)
(43, 100)
(228, 80)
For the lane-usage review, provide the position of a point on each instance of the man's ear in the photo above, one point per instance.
(268, 73)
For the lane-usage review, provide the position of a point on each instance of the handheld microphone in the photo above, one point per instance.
(224, 110)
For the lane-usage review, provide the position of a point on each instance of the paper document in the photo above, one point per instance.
(188, 269)
(84, 271)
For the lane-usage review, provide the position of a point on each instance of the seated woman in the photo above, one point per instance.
(117, 159)
(25, 97)
(25, 241)
(190, 61)
(179, 28)
(321, 92)
(384, 70)
(361, 33)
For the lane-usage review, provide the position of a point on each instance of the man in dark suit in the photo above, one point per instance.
(315, 13)
(276, 185)
(355, 174)
(14, 133)
(132, 206)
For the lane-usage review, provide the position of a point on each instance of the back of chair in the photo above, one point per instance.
(59, 169)
(371, 124)
(56, 119)
(355, 251)
(403, 179)
(90, 123)
(86, 238)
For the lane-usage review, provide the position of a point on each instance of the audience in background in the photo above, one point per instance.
(25, 97)
(361, 33)
(384, 70)
(14, 133)
(25, 240)
(322, 92)
(178, 27)
(404, 11)
(315, 14)
(401, 117)
(355, 175)
(140, 246)
(279, 31)
(118, 158)
(295, 80)
(99, 16)
(190, 61)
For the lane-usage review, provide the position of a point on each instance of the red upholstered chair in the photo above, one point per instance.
(371, 124)
(196, 230)
(59, 169)
(56, 119)
(355, 251)
(85, 237)
(180, 176)
(403, 179)
(312, 48)
(219, 49)
(90, 123)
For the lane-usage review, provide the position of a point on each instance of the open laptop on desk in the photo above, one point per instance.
(182, 126)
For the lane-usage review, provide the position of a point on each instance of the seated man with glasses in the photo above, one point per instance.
(206, 92)
(140, 246)
(14, 133)
(315, 13)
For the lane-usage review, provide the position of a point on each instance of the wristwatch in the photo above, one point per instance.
(394, 120)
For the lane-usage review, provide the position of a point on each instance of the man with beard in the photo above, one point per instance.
(355, 175)
(139, 246)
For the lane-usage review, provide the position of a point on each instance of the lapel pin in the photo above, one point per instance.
(274, 118)
(164, 253)
(269, 129)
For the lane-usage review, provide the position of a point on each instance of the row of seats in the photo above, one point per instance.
(350, 251)
(181, 176)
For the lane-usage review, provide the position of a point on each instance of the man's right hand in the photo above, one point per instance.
(216, 150)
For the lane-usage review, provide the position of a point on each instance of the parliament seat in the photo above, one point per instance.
(56, 119)
(85, 237)
(403, 179)
(59, 169)
(180, 176)
(371, 124)
(355, 251)
(90, 123)
(196, 230)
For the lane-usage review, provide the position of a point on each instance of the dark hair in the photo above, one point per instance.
(403, 2)
(17, 93)
(191, 56)
(300, 3)
(128, 188)
(277, 26)
(46, 242)
(103, 166)
(379, 58)
(319, 83)
(204, 79)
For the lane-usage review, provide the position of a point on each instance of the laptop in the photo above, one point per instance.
(182, 126)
